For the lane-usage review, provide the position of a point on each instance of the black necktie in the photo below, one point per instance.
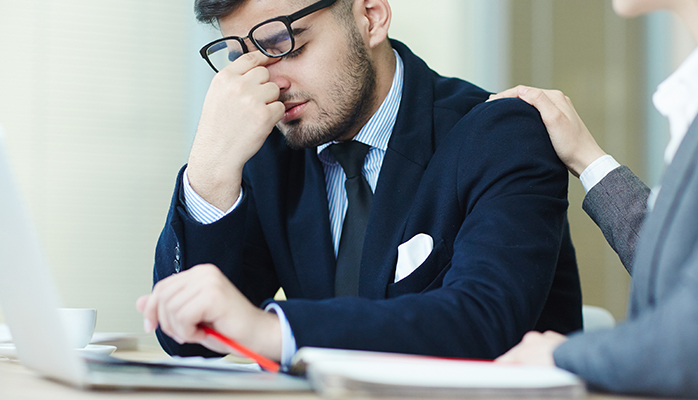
(350, 156)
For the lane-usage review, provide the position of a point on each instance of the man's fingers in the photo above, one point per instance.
(173, 303)
(258, 75)
(148, 308)
(168, 295)
(215, 345)
(186, 320)
(270, 92)
(248, 61)
(141, 302)
(202, 294)
(150, 304)
(277, 110)
(182, 312)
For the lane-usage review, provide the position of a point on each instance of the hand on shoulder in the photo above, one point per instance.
(572, 141)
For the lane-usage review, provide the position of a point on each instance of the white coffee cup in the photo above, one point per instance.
(79, 324)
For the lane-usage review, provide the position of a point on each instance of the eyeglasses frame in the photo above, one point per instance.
(285, 19)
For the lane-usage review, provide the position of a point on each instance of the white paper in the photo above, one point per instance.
(444, 373)
(212, 363)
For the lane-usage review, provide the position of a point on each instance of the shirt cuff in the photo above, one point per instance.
(288, 340)
(201, 210)
(597, 170)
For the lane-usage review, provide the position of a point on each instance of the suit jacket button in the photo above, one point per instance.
(178, 257)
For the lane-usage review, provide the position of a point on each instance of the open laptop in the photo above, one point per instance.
(29, 301)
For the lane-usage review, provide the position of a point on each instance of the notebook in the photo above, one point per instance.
(342, 374)
(29, 301)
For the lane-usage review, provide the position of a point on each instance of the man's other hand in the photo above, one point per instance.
(202, 295)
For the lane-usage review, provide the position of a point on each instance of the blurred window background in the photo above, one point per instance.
(99, 101)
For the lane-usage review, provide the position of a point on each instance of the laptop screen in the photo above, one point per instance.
(28, 297)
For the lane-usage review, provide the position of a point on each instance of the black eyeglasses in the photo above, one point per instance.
(273, 37)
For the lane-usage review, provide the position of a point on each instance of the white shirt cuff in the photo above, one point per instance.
(597, 170)
(288, 340)
(201, 210)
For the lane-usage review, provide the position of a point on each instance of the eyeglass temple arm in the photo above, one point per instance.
(310, 9)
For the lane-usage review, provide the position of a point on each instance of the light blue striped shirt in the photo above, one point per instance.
(376, 133)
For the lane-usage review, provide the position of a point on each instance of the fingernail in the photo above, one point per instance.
(523, 90)
(148, 326)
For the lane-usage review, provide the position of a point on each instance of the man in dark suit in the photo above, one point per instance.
(455, 241)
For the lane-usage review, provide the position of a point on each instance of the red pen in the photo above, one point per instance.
(263, 362)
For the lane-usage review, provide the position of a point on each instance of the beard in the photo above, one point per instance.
(352, 97)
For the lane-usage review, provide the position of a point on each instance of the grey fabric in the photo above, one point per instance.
(655, 351)
(618, 205)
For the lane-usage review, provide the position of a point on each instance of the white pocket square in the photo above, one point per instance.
(412, 254)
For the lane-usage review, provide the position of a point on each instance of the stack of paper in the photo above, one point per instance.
(343, 374)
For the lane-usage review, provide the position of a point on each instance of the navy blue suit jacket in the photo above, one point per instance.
(481, 178)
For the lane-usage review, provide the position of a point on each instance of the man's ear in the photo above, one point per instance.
(374, 20)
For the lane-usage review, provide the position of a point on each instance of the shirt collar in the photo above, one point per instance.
(377, 131)
(677, 99)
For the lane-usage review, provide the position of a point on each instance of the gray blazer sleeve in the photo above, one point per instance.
(618, 205)
(653, 354)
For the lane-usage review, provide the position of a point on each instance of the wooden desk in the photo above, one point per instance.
(19, 383)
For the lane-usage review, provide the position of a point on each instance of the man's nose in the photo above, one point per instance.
(279, 75)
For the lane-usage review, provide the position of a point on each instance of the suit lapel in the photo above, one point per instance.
(655, 229)
(409, 151)
(309, 234)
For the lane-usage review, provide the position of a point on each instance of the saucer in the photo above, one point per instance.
(8, 350)
(97, 350)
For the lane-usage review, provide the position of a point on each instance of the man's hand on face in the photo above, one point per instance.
(181, 303)
(240, 111)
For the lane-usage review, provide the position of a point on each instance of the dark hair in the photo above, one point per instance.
(210, 11)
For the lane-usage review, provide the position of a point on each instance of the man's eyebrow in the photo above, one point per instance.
(299, 31)
(217, 46)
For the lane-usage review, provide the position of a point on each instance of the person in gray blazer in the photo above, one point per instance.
(655, 233)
